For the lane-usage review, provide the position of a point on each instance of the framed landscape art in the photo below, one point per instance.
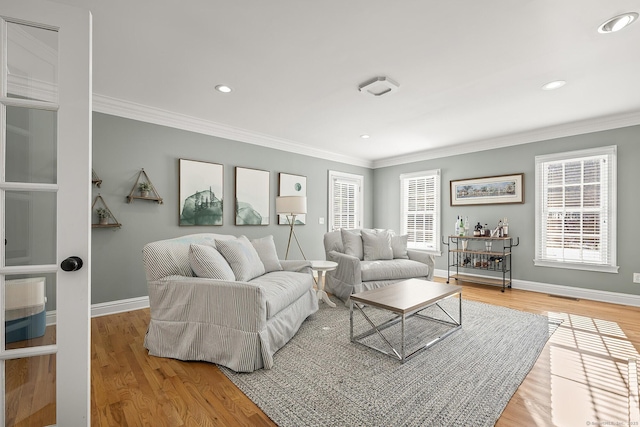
(200, 192)
(500, 189)
(292, 185)
(252, 196)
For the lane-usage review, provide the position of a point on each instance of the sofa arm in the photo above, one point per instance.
(298, 266)
(424, 258)
(348, 270)
(236, 305)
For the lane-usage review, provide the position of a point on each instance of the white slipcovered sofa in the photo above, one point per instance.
(371, 258)
(223, 299)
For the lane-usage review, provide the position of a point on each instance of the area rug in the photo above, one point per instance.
(320, 378)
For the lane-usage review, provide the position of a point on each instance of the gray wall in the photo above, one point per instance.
(121, 147)
(521, 158)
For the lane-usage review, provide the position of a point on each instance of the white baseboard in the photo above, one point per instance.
(111, 307)
(566, 291)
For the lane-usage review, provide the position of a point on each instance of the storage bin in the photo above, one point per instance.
(25, 314)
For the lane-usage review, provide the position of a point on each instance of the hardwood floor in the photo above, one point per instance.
(131, 388)
(580, 377)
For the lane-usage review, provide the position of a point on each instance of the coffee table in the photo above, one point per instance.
(406, 299)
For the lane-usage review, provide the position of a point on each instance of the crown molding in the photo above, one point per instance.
(542, 134)
(32, 89)
(131, 110)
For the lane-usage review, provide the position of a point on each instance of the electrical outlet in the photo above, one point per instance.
(636, 277)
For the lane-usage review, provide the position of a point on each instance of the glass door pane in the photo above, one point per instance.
(32, 63)
(28, 197)
(30, 386)
(30, 227)
(31, 145)
(28, 300)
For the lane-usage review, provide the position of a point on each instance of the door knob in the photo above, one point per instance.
(73, 263)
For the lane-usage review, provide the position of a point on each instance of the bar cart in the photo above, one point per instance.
(490, 254)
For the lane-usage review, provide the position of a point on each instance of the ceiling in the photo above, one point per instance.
(469, 73)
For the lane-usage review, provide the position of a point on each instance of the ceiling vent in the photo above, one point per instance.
(379, 86)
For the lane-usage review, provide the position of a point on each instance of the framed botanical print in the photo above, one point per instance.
(201, 192)
(252, 196)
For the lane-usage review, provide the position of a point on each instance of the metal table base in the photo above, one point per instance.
(402, 355)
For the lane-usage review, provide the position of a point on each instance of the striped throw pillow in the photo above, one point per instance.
(266, 249)
(242, 258)
(206, 261)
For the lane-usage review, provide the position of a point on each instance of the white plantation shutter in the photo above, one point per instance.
(576, 210)
(344, 204)
(420, 197)
(345, 200)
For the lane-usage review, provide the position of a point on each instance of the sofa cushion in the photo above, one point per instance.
(376, 245)
(333, 242)
(352, 243)
(242, 257)
(207, 262)
(392, 269)
(266, 249)
(282, 288)
(399, 246)
(171, 256)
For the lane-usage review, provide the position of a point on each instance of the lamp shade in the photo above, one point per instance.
(292, 205)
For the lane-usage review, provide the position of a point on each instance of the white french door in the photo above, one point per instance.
(45, 224)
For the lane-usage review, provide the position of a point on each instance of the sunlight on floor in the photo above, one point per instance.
(590, 377)
(634, 393)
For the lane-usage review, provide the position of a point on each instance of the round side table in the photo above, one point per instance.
(321, 267)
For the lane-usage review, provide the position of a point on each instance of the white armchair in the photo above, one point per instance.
(369, 259)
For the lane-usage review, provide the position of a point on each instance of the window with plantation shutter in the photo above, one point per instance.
(576, 210)
(345, 200)
(420, 198)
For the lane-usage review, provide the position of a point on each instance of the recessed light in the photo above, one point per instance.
(365, 136)
(618, 22)
(554, 85)
(223, 89)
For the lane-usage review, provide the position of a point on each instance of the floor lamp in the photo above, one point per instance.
(290, 206)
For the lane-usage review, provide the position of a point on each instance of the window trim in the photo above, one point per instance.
(438, 209)
(611, 153)
(359, 182)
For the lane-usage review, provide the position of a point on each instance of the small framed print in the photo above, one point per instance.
(292, 185)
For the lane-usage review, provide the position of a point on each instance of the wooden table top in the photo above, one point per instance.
(407, 296)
